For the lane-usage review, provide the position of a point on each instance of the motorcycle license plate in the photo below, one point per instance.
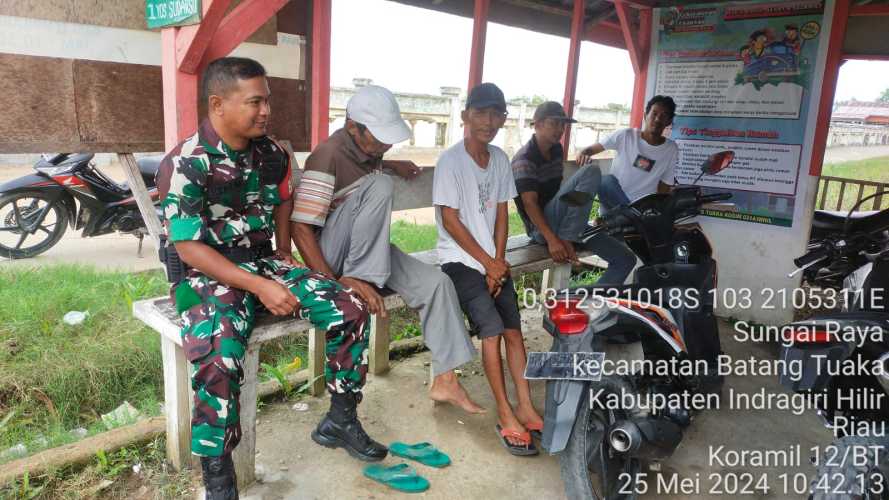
(564, 366)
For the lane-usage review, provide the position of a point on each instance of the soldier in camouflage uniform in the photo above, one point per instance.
(225, 194)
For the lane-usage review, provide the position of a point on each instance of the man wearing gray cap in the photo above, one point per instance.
(340, 224)
(555, 213)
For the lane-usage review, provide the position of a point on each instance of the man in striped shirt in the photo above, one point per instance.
(340, 223)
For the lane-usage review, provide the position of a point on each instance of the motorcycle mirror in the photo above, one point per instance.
(717, 162)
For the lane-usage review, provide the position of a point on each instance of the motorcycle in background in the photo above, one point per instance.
(68, 190)
(849, 256)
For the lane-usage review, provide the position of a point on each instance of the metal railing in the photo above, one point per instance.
(837, 193)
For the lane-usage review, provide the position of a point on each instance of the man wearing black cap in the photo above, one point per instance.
(555, 214)
(471, 189)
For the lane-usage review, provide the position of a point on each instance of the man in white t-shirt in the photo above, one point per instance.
(645, 159)
(471, 188)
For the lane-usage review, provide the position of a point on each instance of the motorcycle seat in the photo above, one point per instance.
(148, 167)
(830, 220)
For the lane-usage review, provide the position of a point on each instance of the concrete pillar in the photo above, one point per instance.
(441, 134)
(454, 119)
(510, 140)
(413, 124)
(573, 144)
(523, 116)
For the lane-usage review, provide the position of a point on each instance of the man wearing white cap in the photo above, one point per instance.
(340, 224)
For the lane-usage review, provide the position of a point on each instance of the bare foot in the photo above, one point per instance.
(446, 389)
(528, 416)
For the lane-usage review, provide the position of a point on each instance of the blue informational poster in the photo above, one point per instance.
(741, 75)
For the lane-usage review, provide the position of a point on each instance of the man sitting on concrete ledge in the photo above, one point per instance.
(340, 223)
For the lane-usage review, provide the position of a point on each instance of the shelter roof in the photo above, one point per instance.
(865, 34)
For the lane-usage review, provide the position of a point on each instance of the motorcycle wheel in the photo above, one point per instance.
(847, 475)
(590, 467)
(30, 224)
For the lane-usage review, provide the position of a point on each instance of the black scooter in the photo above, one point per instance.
(666, 314)
(36, 209)
(848, 258)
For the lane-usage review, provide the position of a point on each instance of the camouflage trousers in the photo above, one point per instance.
(217, 325)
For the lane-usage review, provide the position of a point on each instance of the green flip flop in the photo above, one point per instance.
(401, 477)
(425, 453)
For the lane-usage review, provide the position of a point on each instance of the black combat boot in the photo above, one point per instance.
(219, 478)
(340, 428)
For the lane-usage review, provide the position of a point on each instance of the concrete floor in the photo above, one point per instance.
(396, 408)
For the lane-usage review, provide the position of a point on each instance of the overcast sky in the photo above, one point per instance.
(410, 49)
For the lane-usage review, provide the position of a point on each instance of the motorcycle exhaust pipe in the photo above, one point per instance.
(625, 437)
(645, 437)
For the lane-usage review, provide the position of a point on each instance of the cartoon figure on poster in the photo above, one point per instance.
(769, 60)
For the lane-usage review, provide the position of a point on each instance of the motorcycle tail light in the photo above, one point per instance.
(808, 336)
(568, 318)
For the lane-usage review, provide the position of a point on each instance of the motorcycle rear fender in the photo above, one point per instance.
(37, 182)
(563, 398)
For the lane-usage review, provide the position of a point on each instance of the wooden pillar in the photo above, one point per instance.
(829, 82)
(479, 33)
(638, 44)
(143, 199)
(320, 65)
(180, 97)
(317, 361)
(244, 455)
(573, 62)
(378, 362)
(177, 403)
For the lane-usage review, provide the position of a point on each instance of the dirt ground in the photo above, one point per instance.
(395, 407)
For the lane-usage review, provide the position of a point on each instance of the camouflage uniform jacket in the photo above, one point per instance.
(222, 197)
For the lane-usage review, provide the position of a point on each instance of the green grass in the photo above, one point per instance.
(109, 476)
(872, 169)
(57, 377)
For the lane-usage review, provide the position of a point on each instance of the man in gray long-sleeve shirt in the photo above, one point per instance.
(340, 224)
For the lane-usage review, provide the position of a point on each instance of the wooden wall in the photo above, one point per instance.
(54, 104)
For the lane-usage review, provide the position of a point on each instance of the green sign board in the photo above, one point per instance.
(163, 13)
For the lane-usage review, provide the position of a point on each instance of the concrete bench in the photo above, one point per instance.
(160, 314)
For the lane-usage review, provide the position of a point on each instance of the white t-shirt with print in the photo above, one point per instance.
(461, 184)
(639, 166)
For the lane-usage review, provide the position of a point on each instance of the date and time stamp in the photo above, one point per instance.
(768, 473)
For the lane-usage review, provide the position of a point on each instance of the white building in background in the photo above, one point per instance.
(858, 123)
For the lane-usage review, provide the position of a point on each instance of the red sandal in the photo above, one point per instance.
(535, 429)
(525, 449)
